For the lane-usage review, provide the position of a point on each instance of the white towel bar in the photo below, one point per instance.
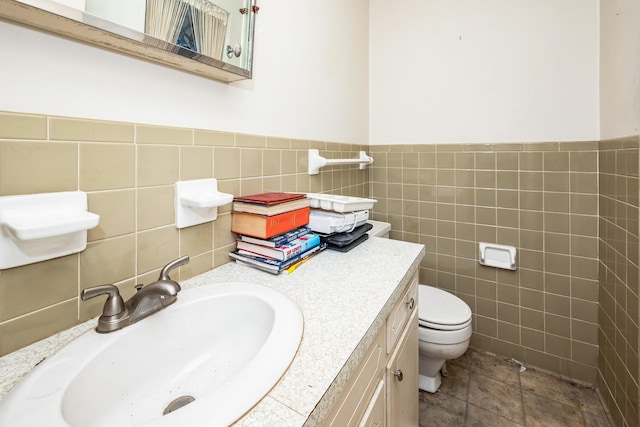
(316, 161)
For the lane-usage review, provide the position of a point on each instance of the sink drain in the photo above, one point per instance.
(177, 404)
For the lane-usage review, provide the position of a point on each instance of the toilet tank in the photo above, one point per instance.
(380, 229)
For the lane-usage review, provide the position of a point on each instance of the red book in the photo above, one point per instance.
(269, 199)
(270, 209)
(263, 226)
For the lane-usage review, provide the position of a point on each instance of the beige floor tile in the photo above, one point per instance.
(442, 410)
(478, 417)
(495, 396)
(597, 420)
(486, 390)
(554, 388)
(543, 412)
(456, 383)
(596, 416)
(495, 367)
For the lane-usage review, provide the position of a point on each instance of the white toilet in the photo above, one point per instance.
(444, 326)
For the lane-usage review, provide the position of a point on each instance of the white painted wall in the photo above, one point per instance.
(463, 71)
(620, 68)
(419, 71)
(310, 78)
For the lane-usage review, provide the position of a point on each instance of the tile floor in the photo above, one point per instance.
(486, 390)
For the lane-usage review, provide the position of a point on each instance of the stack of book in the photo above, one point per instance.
(273, 231)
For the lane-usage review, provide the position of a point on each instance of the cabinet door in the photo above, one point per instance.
(376, 414)
(357, 395)
(402, 379)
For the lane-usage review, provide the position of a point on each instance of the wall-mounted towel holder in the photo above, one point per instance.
(38, 227)
(316, 161)
(197, 201)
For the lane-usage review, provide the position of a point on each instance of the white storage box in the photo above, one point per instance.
(326, 222)
(331, 202)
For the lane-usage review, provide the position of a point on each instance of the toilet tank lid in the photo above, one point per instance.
(379, 228)
(441, 307)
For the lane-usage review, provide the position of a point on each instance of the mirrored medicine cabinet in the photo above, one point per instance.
(211, 38)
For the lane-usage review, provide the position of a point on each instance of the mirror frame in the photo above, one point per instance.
(76, 24)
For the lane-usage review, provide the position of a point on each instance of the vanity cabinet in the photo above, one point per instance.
(374, 341)
(383, 389)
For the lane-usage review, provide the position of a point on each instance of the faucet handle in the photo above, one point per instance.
(164, 274)
(114, 304)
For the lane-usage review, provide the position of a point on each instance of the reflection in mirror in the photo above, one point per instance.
(198, 25)
(216, 33)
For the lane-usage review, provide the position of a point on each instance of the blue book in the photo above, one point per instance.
(271, 264)
(278, 240)
(284, 251)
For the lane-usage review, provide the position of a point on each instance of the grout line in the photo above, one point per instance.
(466, 406)
(136, 147)
(524, 411)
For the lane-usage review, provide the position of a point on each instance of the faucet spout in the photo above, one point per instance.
(146, 301)
(164, 273)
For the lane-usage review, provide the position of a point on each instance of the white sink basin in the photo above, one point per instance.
(225, 345)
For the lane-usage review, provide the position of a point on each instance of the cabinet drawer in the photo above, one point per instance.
(401, 312)
(360, 389)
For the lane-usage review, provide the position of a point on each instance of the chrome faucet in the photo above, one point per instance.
(147, 300)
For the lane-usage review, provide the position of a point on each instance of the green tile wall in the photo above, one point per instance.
(540, 198)
(128, 171)
(619, 282)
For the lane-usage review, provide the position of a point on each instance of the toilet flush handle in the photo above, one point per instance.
(398, 374)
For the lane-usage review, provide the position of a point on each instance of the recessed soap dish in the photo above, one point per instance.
(37, 227)
(499, 256)
(32, 227)
(197, 201)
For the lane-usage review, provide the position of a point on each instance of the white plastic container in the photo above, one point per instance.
(326, 222)
(332, 202)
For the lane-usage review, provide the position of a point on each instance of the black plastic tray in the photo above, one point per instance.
(346, 238)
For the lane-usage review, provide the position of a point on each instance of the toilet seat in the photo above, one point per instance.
(437, 326)
(441, 310)
(430, 336)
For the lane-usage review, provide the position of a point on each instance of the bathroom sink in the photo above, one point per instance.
(203, 361)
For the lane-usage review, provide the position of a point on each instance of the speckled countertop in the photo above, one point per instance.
(345, 299)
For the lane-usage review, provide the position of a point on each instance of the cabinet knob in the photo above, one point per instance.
(398, 374)
(411, 303)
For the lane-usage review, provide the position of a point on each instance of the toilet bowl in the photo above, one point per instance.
(444, 326)
(444, 331)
